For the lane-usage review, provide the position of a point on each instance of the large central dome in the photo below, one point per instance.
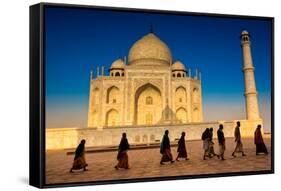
(149, 50)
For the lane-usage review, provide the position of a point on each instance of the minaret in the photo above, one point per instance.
(252, 108)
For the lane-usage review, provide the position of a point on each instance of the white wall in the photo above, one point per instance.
(64, 138)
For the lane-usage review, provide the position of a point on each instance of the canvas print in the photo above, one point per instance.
(138, 95)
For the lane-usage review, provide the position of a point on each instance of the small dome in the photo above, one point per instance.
(244, 32)
(150, 48)
(118, 64)
(178, 65)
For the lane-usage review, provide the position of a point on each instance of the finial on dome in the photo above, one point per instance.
(151, 28)
(244, 32)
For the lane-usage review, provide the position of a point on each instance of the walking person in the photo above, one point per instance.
(182, 148)
(79, 158)
(165, 149)
(122, 156)
(211, 145)
(221, 141)
(260, 146)
(206, 141)
(239, 145)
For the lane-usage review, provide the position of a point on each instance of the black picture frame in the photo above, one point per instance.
(37, 96)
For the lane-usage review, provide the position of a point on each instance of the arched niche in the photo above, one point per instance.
(195, 95)
(148, 105)
(112, 117)
(181, 115)
(195, 115)
(117, 74)
(180, 95)
(113, 95)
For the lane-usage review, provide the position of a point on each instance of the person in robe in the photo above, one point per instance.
(122, 156)
(260, 146)
(165, 149)
(221, 141)
(206, 142)
(79, 158)
(239, 145)
(181, 148)
(211, 145)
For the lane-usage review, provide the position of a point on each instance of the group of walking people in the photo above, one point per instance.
(165, 148)
(208, 144)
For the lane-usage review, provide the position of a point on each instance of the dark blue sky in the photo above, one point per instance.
(78, 40)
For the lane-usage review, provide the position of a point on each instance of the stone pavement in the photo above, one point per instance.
(145, 163)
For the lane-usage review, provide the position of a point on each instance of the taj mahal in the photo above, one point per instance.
(148, 93)
(147, 89)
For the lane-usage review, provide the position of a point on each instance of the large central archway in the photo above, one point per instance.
(148, 105)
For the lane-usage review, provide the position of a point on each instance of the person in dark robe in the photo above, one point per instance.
(181, 148)
(206, 143)
(239, 145)
(79, 158)
(122, 156)
(221, 141)
(211, 145)
(165, 149)
(260, 146)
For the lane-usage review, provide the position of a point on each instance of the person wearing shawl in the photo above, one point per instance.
(181, 148)
(206, 142)
(221, 141)
(211, 145)
(260, 146)
(165, 149)
(122, 156)
(239, 145)
(79, 158)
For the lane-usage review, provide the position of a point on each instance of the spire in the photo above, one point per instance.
(102, 71)
(98, 71)
(151, 28)
(91, 75)
(125, 60)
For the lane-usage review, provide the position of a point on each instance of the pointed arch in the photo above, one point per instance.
(195, 95)
(180, 95)
(151, 112)
(195, 115)
(112, 117)
(137, 139)
(152, 138)
(144, 139)
(113, 95)
(181, 114)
